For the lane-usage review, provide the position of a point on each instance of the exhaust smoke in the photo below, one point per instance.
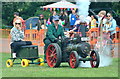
(105, 58)
(103, 50)
(83, 7)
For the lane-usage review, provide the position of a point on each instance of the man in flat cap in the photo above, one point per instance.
(54, 32)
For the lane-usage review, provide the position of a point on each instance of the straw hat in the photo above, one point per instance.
(102, 12)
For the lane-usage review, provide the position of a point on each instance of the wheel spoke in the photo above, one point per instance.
(73, 63)
(50, 50)
(51, 63)
(54, 60)
(94, 57)
(74, 60)
(72, 56)
(55, 55)
(53, 51)
(49, 58)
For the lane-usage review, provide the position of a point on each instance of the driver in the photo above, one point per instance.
(54, 32)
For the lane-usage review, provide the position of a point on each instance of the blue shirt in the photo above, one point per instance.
(112, 28)
(72, 19)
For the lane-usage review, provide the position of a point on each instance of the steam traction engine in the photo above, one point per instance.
(71, 50)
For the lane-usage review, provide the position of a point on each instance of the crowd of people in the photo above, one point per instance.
(73, 22)
(57, 24)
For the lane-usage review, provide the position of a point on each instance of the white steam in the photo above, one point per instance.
(83, 8)
(105, 59)
(104, 53)
(103, 50)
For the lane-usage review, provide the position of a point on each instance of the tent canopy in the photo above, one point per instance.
(61, 4)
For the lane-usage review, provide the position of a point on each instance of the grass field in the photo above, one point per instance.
(63, 71)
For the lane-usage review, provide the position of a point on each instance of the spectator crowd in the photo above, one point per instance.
(74, 22)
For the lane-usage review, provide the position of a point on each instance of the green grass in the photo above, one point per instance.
(63, 71)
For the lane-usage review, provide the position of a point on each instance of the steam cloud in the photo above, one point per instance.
(83, 7)
(105, 55)
(105, 58)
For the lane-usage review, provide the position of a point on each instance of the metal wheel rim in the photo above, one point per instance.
(72, 60)
(94, 61)
(51, 55)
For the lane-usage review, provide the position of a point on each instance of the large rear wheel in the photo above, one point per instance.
(53, 55)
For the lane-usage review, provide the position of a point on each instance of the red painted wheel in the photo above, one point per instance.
(74, 59)
(96, 60)
(53, 55)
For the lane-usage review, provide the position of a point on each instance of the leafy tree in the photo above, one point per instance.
(116, 6)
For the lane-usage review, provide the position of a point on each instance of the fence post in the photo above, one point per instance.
(30, 31)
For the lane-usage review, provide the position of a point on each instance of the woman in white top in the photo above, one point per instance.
(17, 36)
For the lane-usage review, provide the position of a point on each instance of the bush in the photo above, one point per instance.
(3, 26)
(6, 27)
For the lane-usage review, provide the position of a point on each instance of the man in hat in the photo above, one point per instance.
(54, 32)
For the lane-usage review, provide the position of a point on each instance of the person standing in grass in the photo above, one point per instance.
(17, 36)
